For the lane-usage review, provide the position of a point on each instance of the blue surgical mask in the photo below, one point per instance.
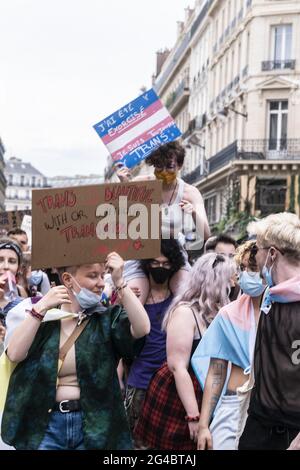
(87, 299)
(36, 278)
(267, 273)
(251, 283)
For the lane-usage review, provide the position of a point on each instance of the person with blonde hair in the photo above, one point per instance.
(64, 392)
(228, 344)
(170, 415)
(273, 416)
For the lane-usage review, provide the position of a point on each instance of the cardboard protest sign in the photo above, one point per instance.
(12, 219)
(137, 129)
(79, 225)
(26, 226)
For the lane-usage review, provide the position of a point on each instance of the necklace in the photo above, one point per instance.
(166, 209)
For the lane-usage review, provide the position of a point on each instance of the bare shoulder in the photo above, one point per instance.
(182, 312)
(192, 192)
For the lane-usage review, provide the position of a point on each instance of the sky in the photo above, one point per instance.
(67, 64)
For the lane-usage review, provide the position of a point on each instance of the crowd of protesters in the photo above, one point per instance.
(160, 353)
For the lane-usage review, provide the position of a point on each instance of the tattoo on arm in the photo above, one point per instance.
(219, 374)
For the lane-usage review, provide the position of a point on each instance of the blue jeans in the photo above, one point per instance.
(64, 432)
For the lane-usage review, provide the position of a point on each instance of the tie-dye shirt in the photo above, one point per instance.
(32, 388)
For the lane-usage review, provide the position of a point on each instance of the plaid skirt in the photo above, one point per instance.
(161, 424)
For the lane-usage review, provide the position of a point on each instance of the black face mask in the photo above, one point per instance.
(160, 275)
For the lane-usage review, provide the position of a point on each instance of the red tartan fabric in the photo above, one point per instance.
(161, 424)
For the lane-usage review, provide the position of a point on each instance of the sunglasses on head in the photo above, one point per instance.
(219, 259)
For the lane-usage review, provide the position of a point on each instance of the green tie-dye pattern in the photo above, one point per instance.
(32, 387)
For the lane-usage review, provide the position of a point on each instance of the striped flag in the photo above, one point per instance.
(137, 129)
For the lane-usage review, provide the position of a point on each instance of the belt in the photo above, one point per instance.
(65, 406)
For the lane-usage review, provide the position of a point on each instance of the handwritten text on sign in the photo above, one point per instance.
(137, 129)
(12, 219)
(73, 226)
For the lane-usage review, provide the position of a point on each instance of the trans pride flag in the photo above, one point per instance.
(134, 131)
(231, 336)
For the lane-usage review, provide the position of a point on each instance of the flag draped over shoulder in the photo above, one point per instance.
(284, 293)
(231, 336)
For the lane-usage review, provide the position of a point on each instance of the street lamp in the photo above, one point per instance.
(224, 112)
(195, 141)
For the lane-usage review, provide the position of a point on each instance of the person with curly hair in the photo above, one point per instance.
(159, 271)
(182, 207)
(169, 418)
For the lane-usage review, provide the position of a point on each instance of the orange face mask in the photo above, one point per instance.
(165, 175)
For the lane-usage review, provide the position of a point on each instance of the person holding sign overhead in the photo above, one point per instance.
(64, 392)
(182, 204)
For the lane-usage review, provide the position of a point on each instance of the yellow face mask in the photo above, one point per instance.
(166, 176)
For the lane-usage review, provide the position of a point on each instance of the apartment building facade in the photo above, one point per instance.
(243, 107)
(231, 82)
(21, 178)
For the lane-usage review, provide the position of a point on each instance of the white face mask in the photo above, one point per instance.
(86, 298)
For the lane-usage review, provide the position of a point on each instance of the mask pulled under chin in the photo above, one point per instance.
(88, 299)
(160, 275)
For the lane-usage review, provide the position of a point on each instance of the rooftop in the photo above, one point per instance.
(17, 166)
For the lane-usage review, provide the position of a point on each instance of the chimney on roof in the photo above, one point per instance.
(180, 27)
(161, 57)
(188, 12)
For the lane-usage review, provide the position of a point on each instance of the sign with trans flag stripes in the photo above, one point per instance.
(134, 131)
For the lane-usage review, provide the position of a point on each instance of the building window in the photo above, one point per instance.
(211, 209)
(10, 180)
(33, 181)
(282, 44)
(278, 117)
(22, 180)
(270, 196)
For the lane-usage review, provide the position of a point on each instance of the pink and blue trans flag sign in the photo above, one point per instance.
(137, 129)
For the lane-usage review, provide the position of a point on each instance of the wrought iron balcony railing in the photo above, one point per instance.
(268, 65)
(194, 176)
(182, 88)
(269, 149)
(250, 149)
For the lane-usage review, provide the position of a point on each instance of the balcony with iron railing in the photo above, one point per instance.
(194, 176)
(269, 149)
(256, 149)
(179, 97)
(249, 149)
(268, 65)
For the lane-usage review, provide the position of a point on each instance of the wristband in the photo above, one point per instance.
(192, 419)
(121, 287)
(35, 314)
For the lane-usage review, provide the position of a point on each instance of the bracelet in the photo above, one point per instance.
(192, 419)
(121, 287)
(35, 314)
